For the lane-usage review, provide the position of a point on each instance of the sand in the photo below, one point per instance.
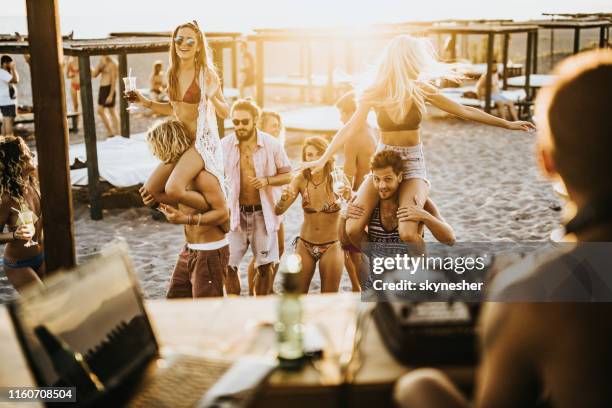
(484, 180)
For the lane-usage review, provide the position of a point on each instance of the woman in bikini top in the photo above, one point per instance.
(398, 93)
(190, 59)
(19, 192)
(318, 241)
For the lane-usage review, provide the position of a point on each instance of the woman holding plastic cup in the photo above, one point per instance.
(196, 99)
(20, 213)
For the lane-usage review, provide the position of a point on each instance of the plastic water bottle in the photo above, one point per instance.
(289, 328)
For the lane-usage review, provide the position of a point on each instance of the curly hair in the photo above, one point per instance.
(321, 145)
(168, 140)
(13, 155)
(387, 158)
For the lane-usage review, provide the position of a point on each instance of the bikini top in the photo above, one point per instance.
(192, 94)
(411, 121)
(329, 208)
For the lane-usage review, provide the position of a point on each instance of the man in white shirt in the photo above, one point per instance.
(8, 93)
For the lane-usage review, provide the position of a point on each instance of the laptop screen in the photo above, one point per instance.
(87, 327)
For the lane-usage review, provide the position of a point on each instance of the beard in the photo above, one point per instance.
(244, 134)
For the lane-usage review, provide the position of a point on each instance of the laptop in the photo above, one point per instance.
(88, 328)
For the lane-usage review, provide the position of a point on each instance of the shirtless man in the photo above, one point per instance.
(357, 155)
(108, 71)
(202, 263)
(19, 190)
(255, 162)
(545, 352)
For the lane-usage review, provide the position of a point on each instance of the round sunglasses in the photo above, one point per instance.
(239, 121)
(179, 40)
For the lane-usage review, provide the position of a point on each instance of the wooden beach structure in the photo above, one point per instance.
(121, 46)
(349, 37)
(575, 24)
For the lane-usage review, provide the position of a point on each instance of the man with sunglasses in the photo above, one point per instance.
(255, 163)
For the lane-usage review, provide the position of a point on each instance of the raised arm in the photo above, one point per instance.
(467, 112)
(216, 96)
(358, 120)
(289, 195)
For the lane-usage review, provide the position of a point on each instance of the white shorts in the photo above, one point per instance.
(253, 231)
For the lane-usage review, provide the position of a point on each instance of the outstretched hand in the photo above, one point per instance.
(521, 125)
(316, 166)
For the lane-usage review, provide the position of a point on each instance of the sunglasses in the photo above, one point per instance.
(244, 122)
(179, 40)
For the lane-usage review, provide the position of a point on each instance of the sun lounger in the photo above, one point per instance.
(535, 81)
(29, 118)
(123, 162)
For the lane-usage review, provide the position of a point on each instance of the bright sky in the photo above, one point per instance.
(90, 18)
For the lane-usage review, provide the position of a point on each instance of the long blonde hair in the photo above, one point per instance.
(203, 59)
(168, 140)
(394, 81)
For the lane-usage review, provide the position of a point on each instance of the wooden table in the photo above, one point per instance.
(238, 326)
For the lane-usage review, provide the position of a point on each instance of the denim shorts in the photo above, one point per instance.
(253, 232)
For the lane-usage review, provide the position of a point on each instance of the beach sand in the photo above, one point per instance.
(484, 180)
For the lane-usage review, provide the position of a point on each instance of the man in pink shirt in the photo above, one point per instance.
(255, 165)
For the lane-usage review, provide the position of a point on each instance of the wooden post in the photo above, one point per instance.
(235, 64)
(552, 48)
(218, 62)
(505, 58)
(51, 132)
(309, 70)
(453, 47)
(124, 114)
(536, 38)
(329, 94)
(528, 66)
(602, 37)
(89, 129)
(349, 57)
(259, 72)
(489, 73)
(576, 40)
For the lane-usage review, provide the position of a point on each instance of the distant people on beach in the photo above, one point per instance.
(72, 73)
(202, 263)
(247, 71)
(357, 155)
(383, 226)
(318, 240)
(107, 69)
(546, 335)
(270, 122)
(501, 102)
(157, 83)
(9, 77)
(255, 164)
(193, 87)
(20, 211)
(398, 92)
